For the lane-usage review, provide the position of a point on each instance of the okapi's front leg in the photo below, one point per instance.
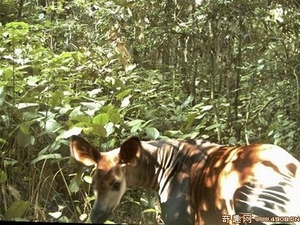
(176, 205)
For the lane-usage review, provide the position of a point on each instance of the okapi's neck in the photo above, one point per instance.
(159, 158)
(144, 174)
(168, 167)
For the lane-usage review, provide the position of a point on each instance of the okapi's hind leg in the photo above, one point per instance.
(261, 202)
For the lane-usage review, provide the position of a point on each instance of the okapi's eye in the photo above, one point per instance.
(116, 186)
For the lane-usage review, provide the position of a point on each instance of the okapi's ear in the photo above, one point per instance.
(83, 152)
(130, 151)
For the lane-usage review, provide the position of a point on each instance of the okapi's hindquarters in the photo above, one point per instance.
(268, 181)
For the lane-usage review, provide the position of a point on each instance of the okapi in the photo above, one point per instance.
(197, 182)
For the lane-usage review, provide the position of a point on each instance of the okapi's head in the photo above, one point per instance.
(109, 177)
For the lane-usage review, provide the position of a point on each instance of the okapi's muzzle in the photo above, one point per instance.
(99, 214)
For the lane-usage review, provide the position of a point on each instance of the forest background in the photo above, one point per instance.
(223, 70)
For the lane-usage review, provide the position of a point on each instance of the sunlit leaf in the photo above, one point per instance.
(206, 108)
(55, 215)
(2, 95)
(18, 25)
(83, 216)
(88, 179)
(72, 131)
(152, 132)
(110, 128)
(130, 67)
(125, 102)
(76, 112)
(26, 105)
(135, 122)
(101, 119)
(32, 80)
(149, 211)
(51, 125)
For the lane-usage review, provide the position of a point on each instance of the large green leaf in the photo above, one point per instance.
(115, 118)
(152, 132)
(51, 125)
(101, 119)
(16, 209)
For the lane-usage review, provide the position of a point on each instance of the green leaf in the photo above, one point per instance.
(232, 141)
(211, 127)
(96, 129)
(18, 25)
(135, 122)
(191, 135)
(24, 129)
(73, 186)
(32, 80)
(8, 73)
(189, 121)
(56, 98)
(115, 118)
(149, 211)
(76, 112)
(3, 176)
(124, 93)
(152, 132)
(101, 119)
(173, 133)
(52, 147)
(189, 99)
(48, 156)
(52, 125)
(16, 209)
(82, 118)
(24, 139)
(9, 161)
(75, 182)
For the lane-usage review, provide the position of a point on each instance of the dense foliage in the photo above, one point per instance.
(223, 70)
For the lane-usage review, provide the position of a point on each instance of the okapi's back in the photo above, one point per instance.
(260, 180)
